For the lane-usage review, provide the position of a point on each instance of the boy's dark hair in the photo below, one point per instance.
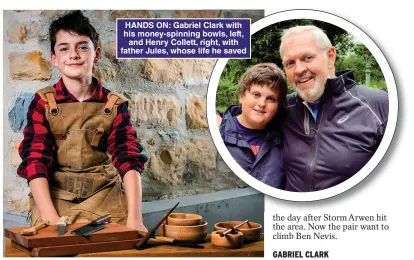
(264, 74)
(76, 22)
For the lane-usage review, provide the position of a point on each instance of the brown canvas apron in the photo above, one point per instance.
(85, 185)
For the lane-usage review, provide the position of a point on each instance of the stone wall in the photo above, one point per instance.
(167, 102)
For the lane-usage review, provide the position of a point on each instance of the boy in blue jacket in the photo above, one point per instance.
(251, 130)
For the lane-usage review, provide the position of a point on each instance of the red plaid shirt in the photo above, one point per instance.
(38, 146)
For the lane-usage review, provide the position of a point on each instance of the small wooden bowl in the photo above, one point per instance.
(231, 240)
(184, 219)
(251, 230)
(195, 233)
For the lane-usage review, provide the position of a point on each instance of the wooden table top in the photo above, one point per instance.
(253, 249)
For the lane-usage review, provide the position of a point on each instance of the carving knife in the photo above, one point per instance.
(62, 225)
(92, 227)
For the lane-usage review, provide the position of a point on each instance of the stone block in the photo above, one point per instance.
(177, 71)
(196, 14)
(98, 14)
(157, 110)
(196, 113)
(29, 66)
(255, 15)
(18, 35)
(110, 51)
(105, 72)
(201, 160)
(164, 71)
(196, 72)
(185, 163)
(129, 14)
(168, 164)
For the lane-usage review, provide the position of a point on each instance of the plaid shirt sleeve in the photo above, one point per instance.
(127, 153)
(36, 149)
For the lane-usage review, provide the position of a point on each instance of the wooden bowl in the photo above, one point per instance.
(195, 233)
(184, 219)
(231, 240)
(251, 230)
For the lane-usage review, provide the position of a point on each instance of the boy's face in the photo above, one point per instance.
(259, 106)
(74, 55)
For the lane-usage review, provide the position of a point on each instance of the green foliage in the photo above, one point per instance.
(265, 48)
(228, 93)
(221, 108)
(379, 85)
(357, 60)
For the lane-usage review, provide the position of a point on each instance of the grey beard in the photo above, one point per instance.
(312, 95)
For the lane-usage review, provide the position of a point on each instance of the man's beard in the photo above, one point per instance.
(310, 94)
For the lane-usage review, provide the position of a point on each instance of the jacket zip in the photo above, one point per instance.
(307, 131)
(312, 164)
(315, 150)
(306, 126)
(306, 121)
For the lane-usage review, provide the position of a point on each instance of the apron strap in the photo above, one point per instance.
(110, 111)
(112, 99)
(48, 95)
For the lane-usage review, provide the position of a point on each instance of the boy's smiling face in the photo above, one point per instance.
(74, 55)
(259, 105)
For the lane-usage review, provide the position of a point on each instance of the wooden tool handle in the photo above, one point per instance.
(32, 230)
(164, 239)
(233, 228)
(151, 232)
(142, 233)
(102, 220)
(156, 238)
(241, 224)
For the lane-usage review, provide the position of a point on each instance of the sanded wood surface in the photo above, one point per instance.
(253, 249)
(68, 250)
(48, 236)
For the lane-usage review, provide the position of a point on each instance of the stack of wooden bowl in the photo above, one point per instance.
(249, 231)
(185, 227)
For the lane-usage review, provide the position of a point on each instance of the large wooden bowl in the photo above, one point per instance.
(184, 219)
(231, 240)
(251, 230)
(195, 233)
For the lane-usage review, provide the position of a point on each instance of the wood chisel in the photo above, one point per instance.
(92, 227)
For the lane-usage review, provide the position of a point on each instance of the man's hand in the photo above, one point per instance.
(136, 224)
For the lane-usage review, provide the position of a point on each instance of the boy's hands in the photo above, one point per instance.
(40, 191)
(136, 224)
(53, 219)
(133, 191)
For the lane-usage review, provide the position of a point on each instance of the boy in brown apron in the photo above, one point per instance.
(71, 129)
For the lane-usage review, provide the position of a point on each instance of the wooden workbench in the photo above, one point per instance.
(253, 249)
